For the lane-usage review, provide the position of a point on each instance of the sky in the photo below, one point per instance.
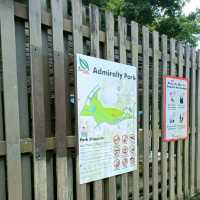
(191, 6)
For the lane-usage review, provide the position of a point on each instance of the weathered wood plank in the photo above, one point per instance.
(10, 84)
(21, 12)
(94, 41)
(186, 142)
(65, 8)
(155, 114)
(122, 31)
(197, 176)
(2, 160)
(3, 195)
(2, 137)
(27, 144)
(78, 48)
(109, 35)
(111, 190)
(134, 43)
(193, 122)
(164, 164)
(38, 101)
(171, 144)
(94, 30)
(61, 106)
(145, 103)
(44, 4)
(179, 143)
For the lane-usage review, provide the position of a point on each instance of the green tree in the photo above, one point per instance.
(165, 16)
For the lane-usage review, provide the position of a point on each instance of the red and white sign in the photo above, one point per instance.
(175, 125)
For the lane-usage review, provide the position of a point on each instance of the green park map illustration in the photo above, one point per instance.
(102, 114)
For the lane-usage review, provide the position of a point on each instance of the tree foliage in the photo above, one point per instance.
(165, 16)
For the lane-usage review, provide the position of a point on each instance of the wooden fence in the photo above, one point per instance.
(38, 158)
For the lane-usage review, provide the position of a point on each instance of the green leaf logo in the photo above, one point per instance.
(83, 64)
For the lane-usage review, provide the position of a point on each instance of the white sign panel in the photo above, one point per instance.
(107, 118)
(175, 108)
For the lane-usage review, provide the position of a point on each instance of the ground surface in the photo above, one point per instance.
(196, 197)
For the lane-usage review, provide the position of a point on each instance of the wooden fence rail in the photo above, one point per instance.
(38, 135)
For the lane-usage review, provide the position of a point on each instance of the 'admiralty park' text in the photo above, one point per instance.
(115, 74)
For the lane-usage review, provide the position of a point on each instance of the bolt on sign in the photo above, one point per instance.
(175, 124)
(107, 118)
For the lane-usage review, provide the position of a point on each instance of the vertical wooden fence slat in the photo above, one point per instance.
(135, 49)
(122, 30)
(110, 56)
(94, 40)
(179, 143)
(198, 127)
(2, 180)
(44, 4)
(164, 163)
(146, 139)
(10, 83)
(1, 104)
(171, 144)
(1, 117)
(155, 114)
(94, 30)
(186, 142)
(78, 48)
(65, 8)
(180, 59)
(61, 103)
(38, 101)
(193, 122)
(2, 159)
